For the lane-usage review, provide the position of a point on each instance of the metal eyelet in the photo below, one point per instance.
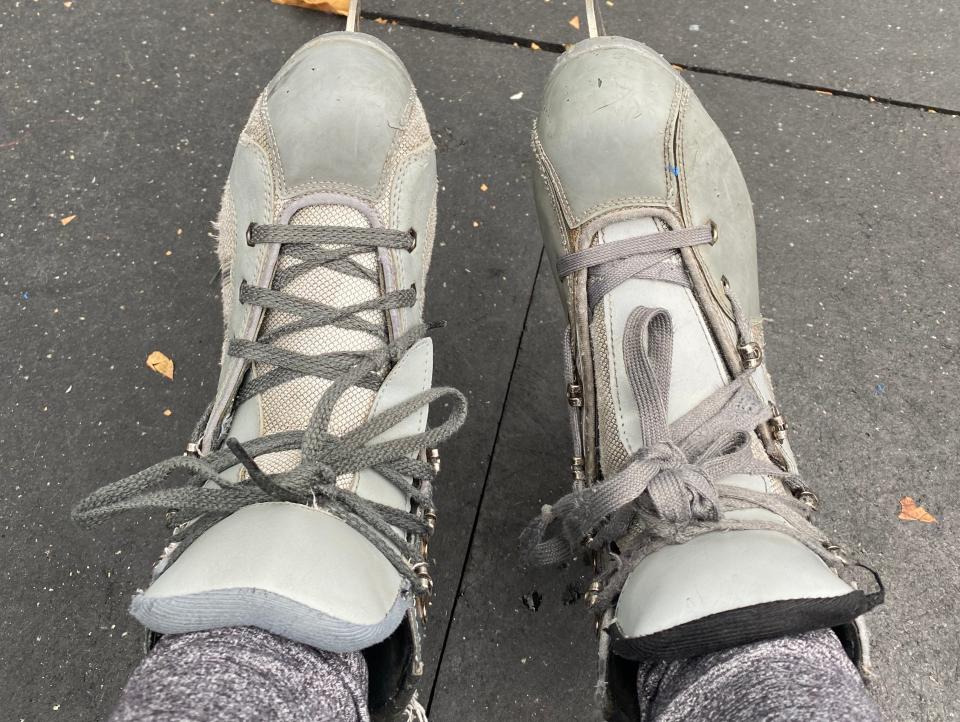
(433, 456)
(714, 233)
(810, 499)
(575, 395)
(593, 593)
(751, 354)
(839, 552)
(430, 519)
(413, 235)
(578, 469)
(249, 235)
(778, 425)
(422, 570)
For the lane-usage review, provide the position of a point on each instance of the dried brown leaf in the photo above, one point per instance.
(338, 7)
(161, 363)
(910, 511)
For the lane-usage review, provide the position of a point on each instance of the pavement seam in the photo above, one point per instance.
(483, 489)
(551, 47)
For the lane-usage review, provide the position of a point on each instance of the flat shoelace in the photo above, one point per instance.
(669, 490)
(205, 498)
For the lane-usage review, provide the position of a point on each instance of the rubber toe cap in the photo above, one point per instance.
(334, 110)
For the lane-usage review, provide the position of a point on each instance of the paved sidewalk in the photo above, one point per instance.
(125, 115)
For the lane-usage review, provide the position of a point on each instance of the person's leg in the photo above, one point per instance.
(244, 673)
(807, 677)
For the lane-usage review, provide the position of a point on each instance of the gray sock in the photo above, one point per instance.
(807, 677)
(243, 673)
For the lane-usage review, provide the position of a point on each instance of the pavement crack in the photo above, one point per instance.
(483, 488)
(551, 47)
(819, 89)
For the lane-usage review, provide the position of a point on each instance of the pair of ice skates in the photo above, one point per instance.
(307, 505)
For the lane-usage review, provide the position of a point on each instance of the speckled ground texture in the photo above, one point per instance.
(125, 116)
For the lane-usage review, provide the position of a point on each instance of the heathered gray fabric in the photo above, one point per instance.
(806, 678)
(240, 674)
(243, 673)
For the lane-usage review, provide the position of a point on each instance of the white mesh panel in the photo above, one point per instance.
(613, 455)
(289, 406)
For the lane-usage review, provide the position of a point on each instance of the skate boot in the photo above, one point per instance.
(686, 495)
(304, 504)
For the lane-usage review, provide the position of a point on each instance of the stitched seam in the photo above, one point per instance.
(686, 212)
(394, 254)
(669, 140)
(721, 367)
(615, 203)
(558, 214)
(275, 146)
(570, 218)
(328, 186)
(383, 184)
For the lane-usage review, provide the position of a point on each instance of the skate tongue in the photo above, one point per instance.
(289, 406)
(697, 370)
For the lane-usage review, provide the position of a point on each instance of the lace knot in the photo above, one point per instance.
(666, 454)
(681, 491)
(320, 474)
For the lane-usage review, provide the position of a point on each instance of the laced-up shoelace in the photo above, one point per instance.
(205, 498)
(669, 491)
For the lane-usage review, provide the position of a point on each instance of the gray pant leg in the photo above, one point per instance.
(243, 673)
(805, 678)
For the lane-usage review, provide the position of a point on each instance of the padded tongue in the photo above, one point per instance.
(719, 589)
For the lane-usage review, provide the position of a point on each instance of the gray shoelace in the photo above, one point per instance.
(670, 490)
(205, 498)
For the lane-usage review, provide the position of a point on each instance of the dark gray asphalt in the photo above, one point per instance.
(905, 51)
(125, 115)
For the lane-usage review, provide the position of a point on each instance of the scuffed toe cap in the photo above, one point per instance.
(286, 568)
(334, 110)
(607, 109)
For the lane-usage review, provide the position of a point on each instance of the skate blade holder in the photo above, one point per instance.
(594, 19)
(353, 17)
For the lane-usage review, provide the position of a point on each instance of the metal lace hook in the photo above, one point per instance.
(353, 17)
(594, 19)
